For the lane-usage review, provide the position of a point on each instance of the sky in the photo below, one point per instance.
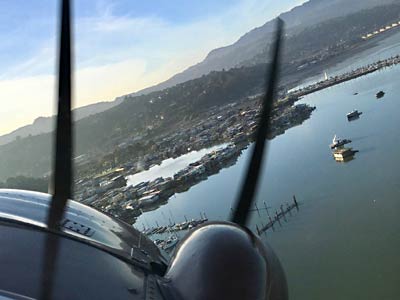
(120, 46)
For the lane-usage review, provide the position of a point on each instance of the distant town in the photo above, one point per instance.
(219, 108)
(233, 125)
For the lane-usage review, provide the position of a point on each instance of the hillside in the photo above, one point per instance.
(331, 35)
(148, 114)
(155, 113)
(46, 124)
(254, 42)
(250, 49)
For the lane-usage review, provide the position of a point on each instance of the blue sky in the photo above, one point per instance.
(27, 27)
(121, 46)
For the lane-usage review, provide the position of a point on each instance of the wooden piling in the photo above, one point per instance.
(283, 213)
(266, 207)
(255, 204)
(295, 201)
(288, 209)
(272, 223)
(277, 218)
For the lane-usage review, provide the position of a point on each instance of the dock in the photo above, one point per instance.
(191, 224)
(174, 227)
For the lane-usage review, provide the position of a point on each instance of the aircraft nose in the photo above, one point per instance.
(221, 261)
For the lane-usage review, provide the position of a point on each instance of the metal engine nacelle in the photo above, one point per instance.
(224, 261)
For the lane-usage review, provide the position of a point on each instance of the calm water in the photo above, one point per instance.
(170, 166)
(344, 241)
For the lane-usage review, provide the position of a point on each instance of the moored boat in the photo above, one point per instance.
(170, 243)
(336, 142)
(380, 94)
(353, 115)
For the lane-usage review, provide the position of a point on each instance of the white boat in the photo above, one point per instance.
(336, 142)
(170, 242)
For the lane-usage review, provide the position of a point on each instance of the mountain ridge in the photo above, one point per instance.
(46, 124)
(252, 42)
(241, 53)
(140, 119)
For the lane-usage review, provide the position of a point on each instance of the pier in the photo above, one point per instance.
(279, 214)
(192, 223)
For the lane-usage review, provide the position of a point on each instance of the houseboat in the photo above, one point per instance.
(344, 154)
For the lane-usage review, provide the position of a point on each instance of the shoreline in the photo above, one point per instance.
(332, 81)
(212, 163)
(129, 202)
(295, 95)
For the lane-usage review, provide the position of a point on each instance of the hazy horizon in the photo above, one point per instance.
(120, 47)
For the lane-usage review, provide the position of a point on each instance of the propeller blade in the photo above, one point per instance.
(243, 203)
(62, 177)
(50, 254)
(63, 156)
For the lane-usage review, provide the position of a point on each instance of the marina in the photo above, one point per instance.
(342, 222)
(174, 227)
(166, 239)
(361, 71)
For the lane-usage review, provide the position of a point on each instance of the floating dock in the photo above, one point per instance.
(344, 154)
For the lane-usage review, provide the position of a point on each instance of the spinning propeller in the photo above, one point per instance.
(219, 260)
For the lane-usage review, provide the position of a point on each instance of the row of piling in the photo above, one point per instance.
(277, 216)
(187, 224)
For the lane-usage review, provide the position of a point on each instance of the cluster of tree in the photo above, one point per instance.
(26, 183)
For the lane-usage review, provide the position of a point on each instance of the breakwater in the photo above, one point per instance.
(331, 81)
